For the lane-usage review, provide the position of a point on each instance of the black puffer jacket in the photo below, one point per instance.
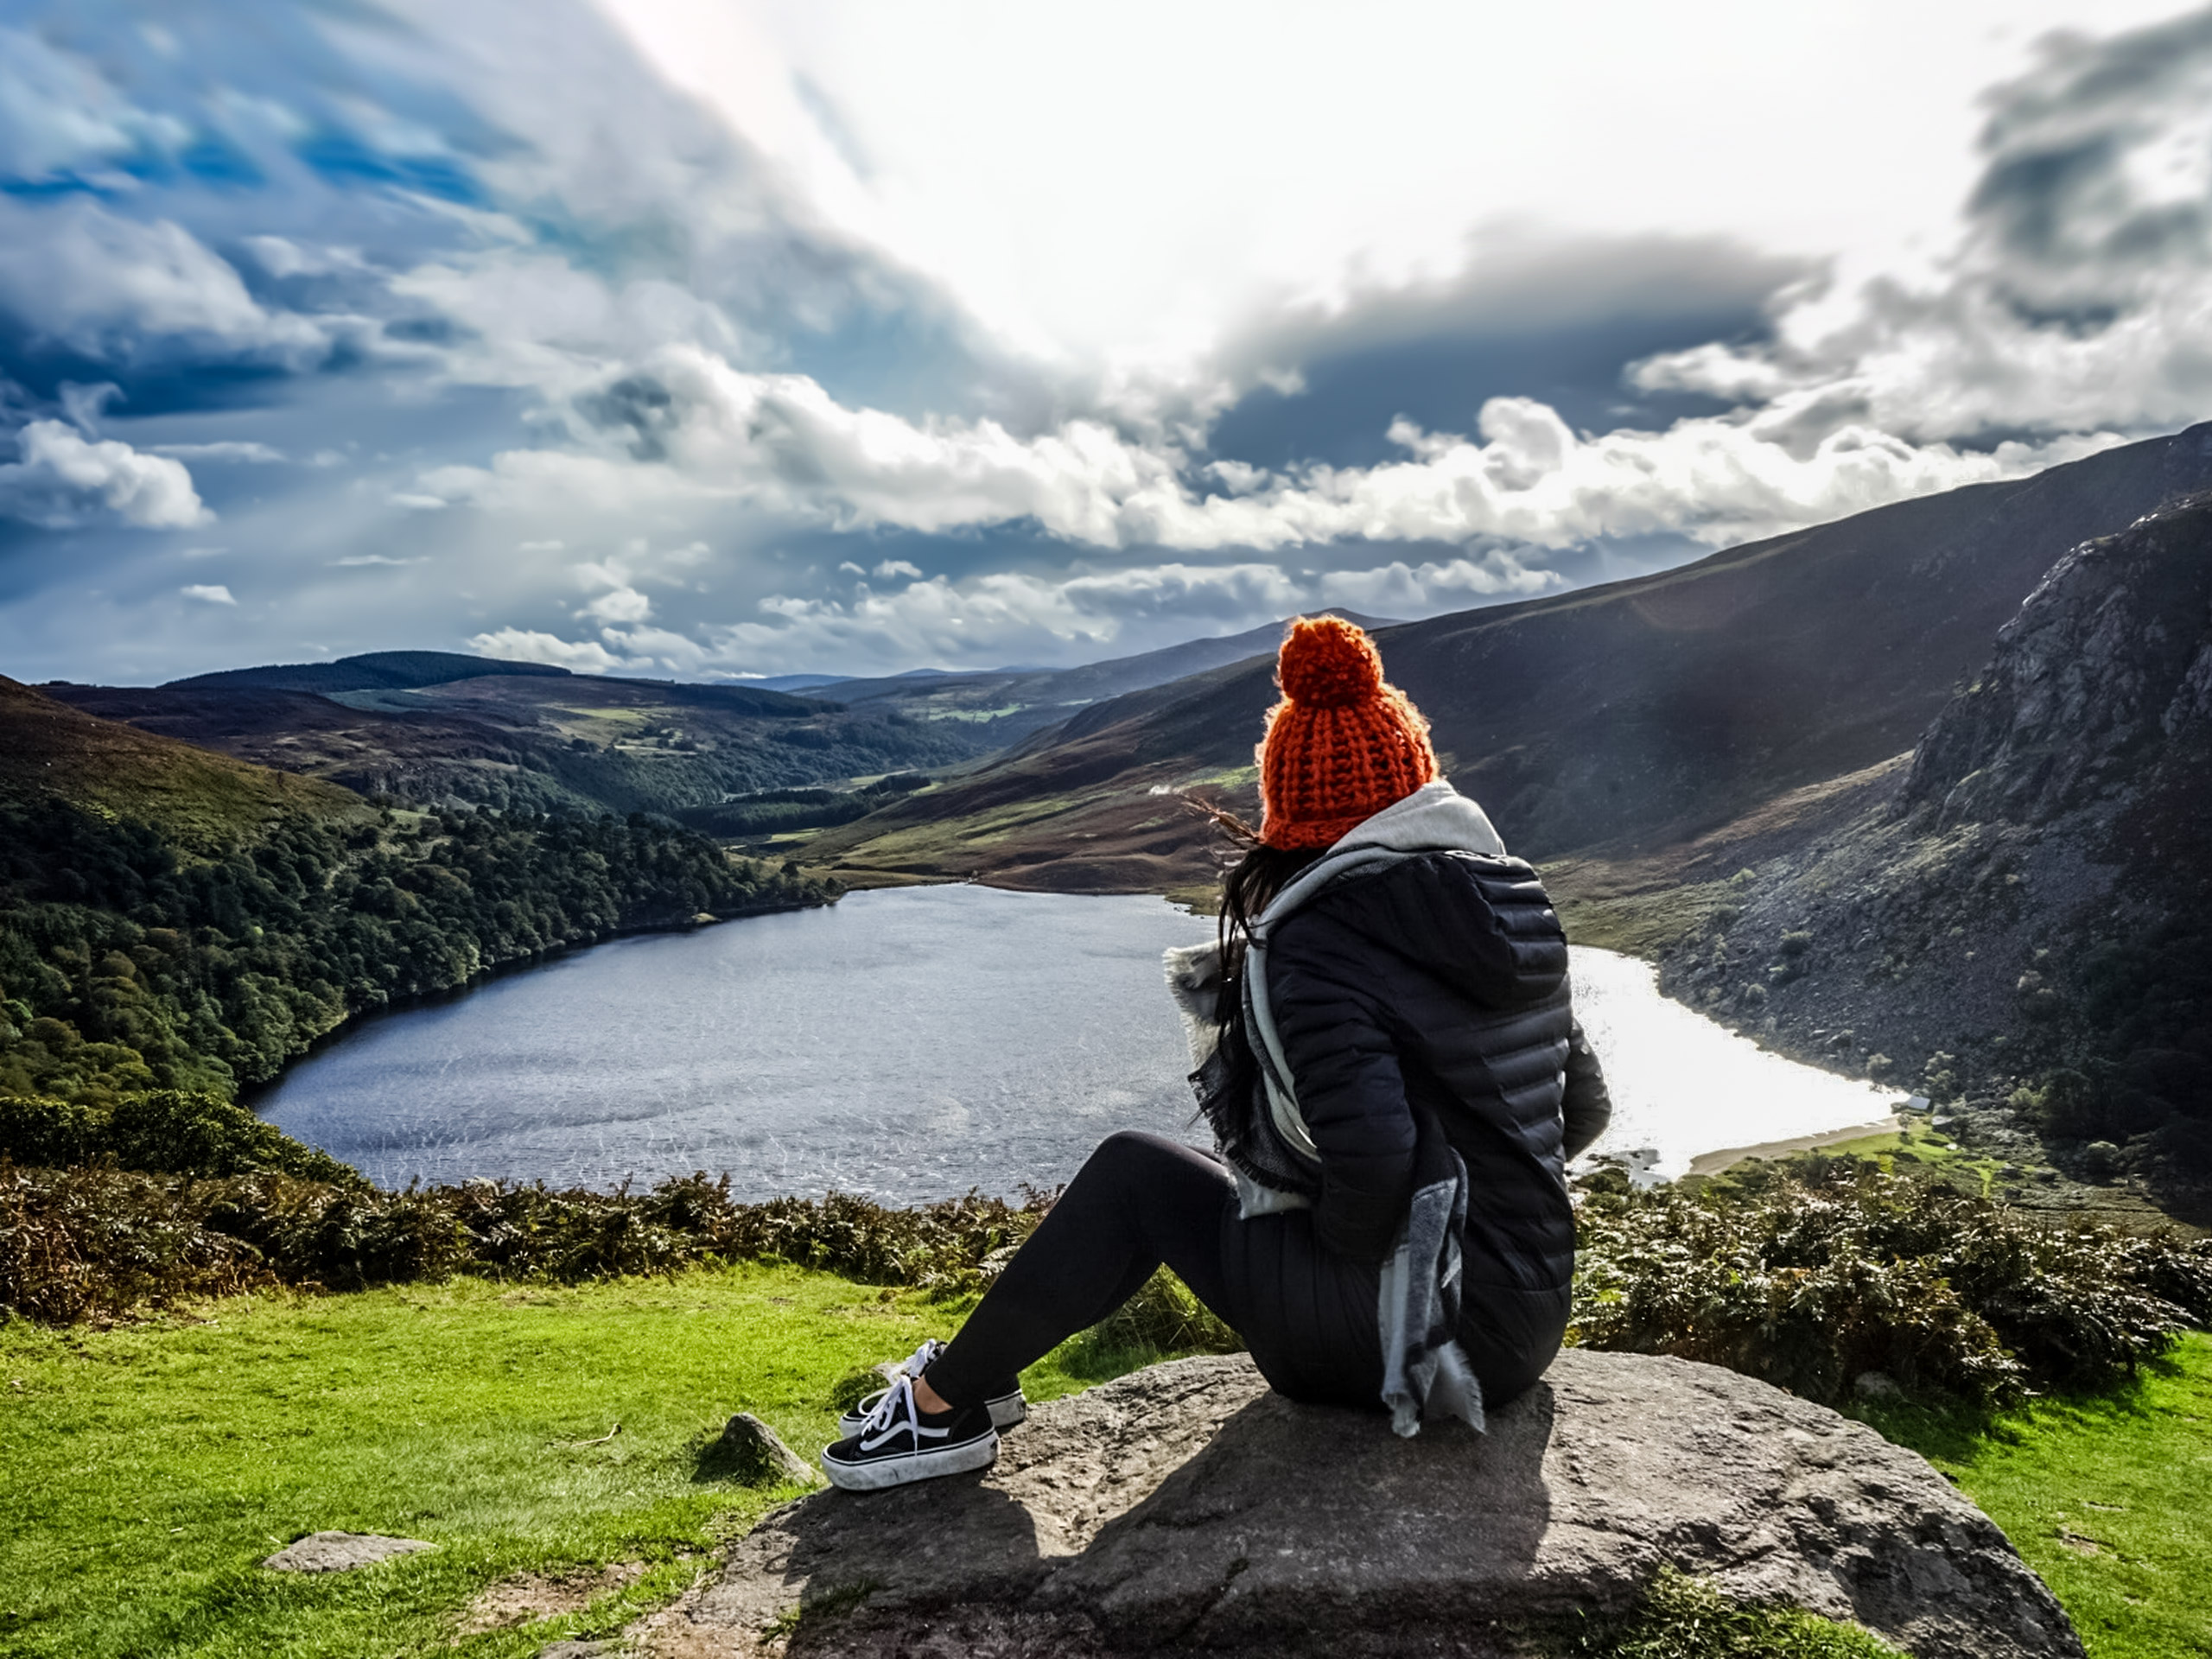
(1441, 982)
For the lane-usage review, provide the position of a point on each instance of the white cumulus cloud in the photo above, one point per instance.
(64, 478)
(1007, 616)
(101, 285)
(230, 449)
(530, 645)
(208, 592)
(2078, 297)
(780, 442)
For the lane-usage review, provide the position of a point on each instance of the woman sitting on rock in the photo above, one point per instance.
(1390, 1063)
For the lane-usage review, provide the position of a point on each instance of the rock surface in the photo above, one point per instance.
(1187, 1509)
(341, 1552)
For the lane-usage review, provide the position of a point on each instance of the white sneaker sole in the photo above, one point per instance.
(1007, 1411)
(879, 1473)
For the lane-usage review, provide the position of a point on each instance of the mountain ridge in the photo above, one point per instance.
(369, 671)
(2016, 919)
(1636, 714)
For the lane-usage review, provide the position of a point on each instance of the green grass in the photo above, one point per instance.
(1683, 1618)
(150, 1468)
(1638, 923)
(1931, 1149)
(2105, 1497)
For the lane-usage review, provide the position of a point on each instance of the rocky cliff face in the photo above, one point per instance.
(2017, 922)
(2105, 668)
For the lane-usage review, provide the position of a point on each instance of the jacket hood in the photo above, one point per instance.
(1435, 817)
(1429, 879)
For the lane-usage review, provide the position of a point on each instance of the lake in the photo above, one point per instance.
(908, 1044)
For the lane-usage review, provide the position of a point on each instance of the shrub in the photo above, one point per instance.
(101, 1243)
(1807, 1274)
(97, 1244)
(168, 1131)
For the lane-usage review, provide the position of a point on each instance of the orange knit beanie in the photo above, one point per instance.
(1341, 746)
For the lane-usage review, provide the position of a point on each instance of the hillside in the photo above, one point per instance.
(429, 728)
(538, 742)
(374, 670)
(171, 919)
(1011, 704)
(1628, 717)
(202, 801)
(2018, 917)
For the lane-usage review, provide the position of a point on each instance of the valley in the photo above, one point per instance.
(1851, 797)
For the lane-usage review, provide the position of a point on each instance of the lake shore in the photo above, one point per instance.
(1712, 1163)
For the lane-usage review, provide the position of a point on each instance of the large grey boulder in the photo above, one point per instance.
(1186, 1508)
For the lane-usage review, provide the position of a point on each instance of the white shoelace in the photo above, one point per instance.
(896, 1413)
(918, 1362)
(883, 1420)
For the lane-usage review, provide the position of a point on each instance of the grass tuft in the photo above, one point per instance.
(1684, 1617)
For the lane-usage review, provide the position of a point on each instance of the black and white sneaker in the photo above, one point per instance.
(899, 1442)
(1007, 1405)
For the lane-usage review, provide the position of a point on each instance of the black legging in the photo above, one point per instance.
(1307, 1315)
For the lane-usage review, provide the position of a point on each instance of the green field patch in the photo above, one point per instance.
(1912, 1147)
(974, 715)
(2103, 1496)
(1640, 924)
(151, 1467)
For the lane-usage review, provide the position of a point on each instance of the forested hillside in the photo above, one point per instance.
(219, 920)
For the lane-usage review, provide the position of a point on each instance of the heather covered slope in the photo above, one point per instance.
(203, 801)
(538, 742)
(1637, 715)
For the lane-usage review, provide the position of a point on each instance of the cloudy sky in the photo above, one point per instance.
(727, 337)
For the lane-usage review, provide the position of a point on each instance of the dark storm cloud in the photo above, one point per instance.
(1556, 320)
(2065, 185)
(2074, 302)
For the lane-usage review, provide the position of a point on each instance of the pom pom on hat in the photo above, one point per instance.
(1343, 744)
(1328, 663)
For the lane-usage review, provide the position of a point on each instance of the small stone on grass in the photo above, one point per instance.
(749, 1451)
(341, 1552)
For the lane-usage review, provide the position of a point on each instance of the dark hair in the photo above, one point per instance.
(1247, 887)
